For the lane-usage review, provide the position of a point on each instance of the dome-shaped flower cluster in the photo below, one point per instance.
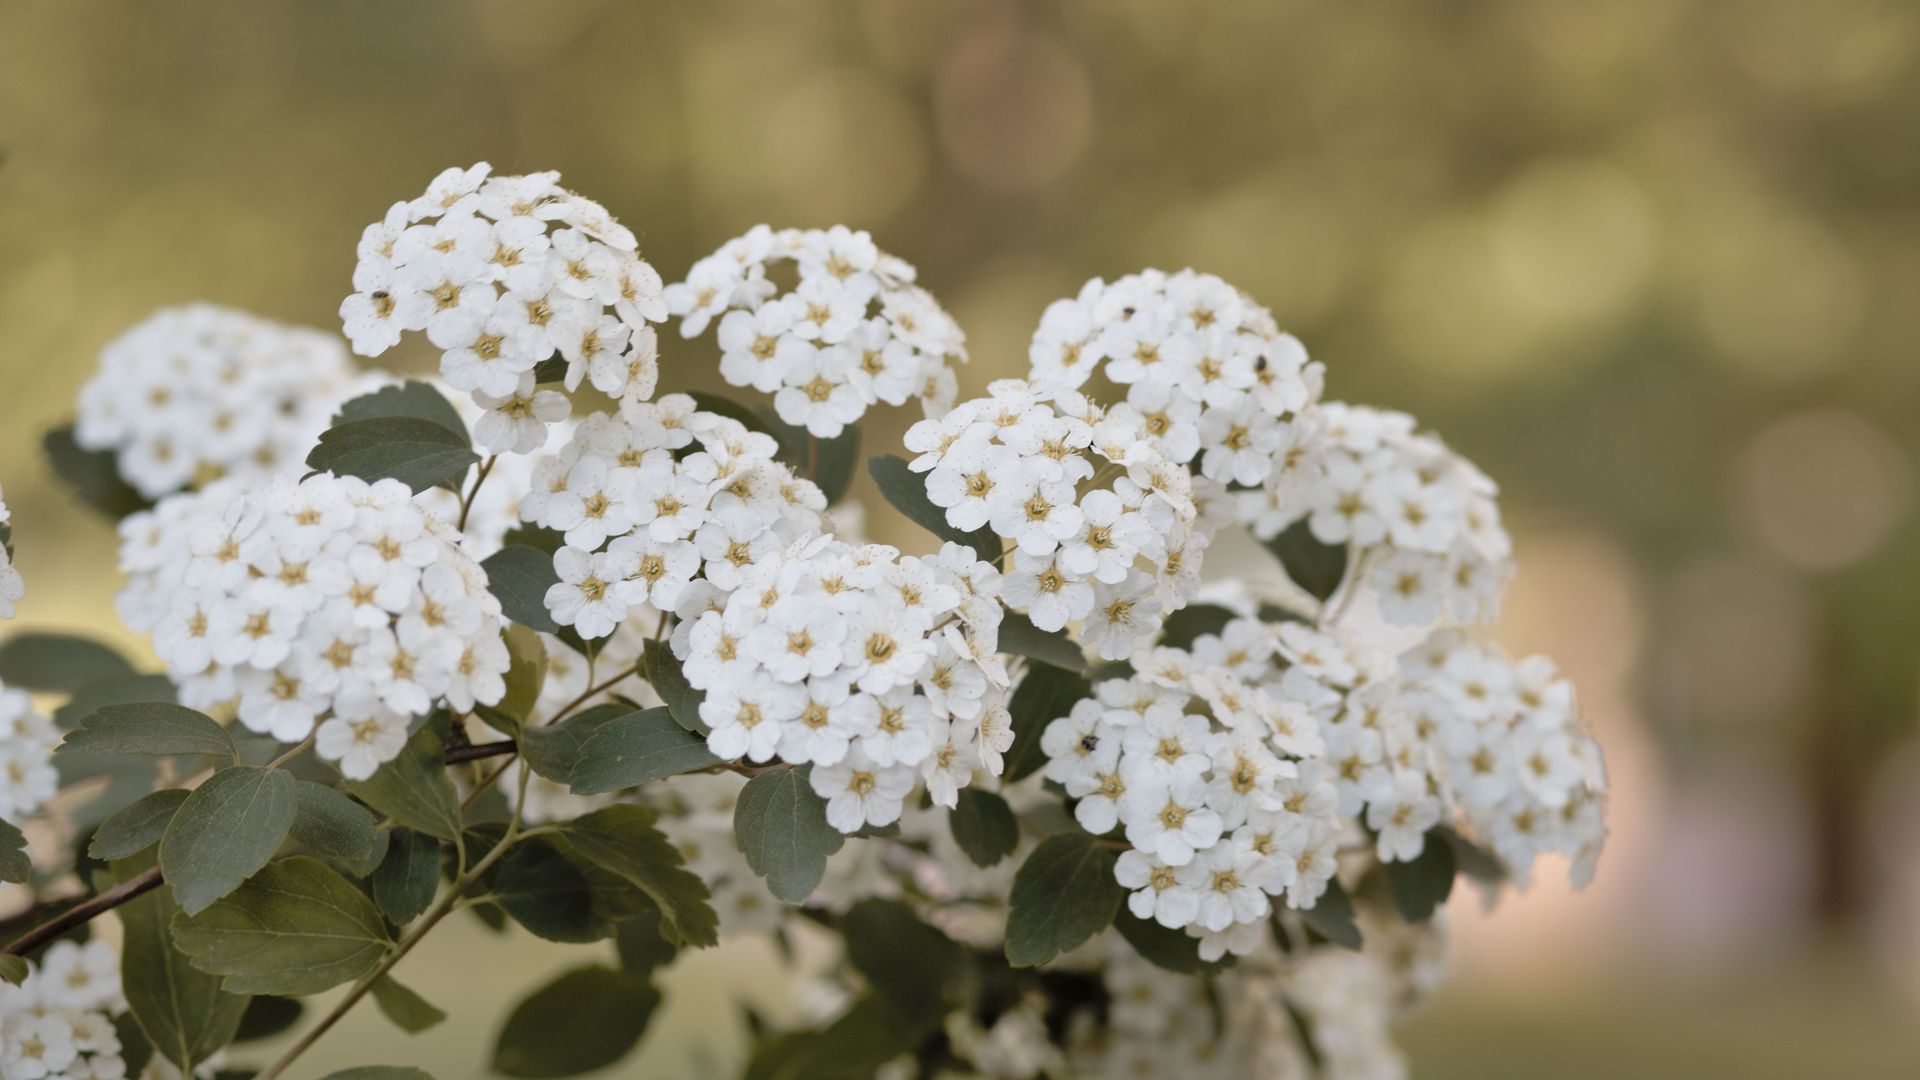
(1207, 371)
(12, 588)
(331, 601)
(666, 507)
(1218, 786)
(852, 332)
(877, 669)
(1450, 728)
(1421, 519)
(58, 1022)
(195, 393)
(27, 738)
(1105, 530)
(504, 273)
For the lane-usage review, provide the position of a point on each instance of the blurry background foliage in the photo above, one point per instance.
(1652, 264)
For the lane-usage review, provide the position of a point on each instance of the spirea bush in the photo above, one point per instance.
(557, 643)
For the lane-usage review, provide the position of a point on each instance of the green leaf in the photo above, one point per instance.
(1420, 886)
(225, 830)
(410, 398)
(1190, 622)
(330, 824)
(867, 1036)
(409, 1011)
(153, 728)
(1316, 567)
(297, 927)
(553, 750)
(379, 1072)
(1062, 895)
(1169, 949)
(1332, 917)
(731, 409)
(546, 892)
(1020, 637)
(96, 694)
(92, 475)
(625, 840)
(16, 865)
(630, 750)
(526, 673)
(642, 947)
(1473, 860)
(137, 827)
(419, 453)
(405, 881)
(536, 537)
(551, 370)
(587, 1019)
(57, 663)
(182, 1011)
(912, 965)
(1044, 695)
(907, 491)
(13, 969)
(780, 825)
(413, 788)
(520, 577)
(267, 1016)
(984, 826)
(670, 682)
(828, 463)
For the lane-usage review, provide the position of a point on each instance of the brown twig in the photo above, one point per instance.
(83, 912)
(459, 755)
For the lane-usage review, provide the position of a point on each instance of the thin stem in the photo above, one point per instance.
(292, 752)
(488, 781)
(144, 882)
(591, 691)
(460, 755)
(1348, 588)
(466, 501)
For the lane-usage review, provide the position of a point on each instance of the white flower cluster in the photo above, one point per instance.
(12, 588)
(27, 738)
(503, 273)
(1421, 519)
(878, 670)
(1218, 786)
(854, 331)
(195, 393)
(663, 506)
(1451, 727)
(331, 601)
(1106, 531)
(1208, 373)
(57, 1025)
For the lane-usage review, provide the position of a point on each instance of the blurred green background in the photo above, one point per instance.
(1652, 264)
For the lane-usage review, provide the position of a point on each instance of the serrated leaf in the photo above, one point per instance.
(93, 476)
(546, 892)
(297, 927)
(1332, 917)
(406, 879)
(57, 663)
(409, 1011)
(418, 453)
(906, 490)
(553, 750)
(632, 749)
(225, 830)
(1316, 567)
(1192, 621)
(1020, 637)
(665, 675)
(519, 576)
(587, 1019)
(411, 398)
(136, 827)
(16, 865)
(1062, 895)
(1045, 694)
(150, 728)
(780, 825)
(328, 823)
(910, 964)
(183, 1012)
(643, 949)
(625, 840)
(1420, 886)
(379, 1072)
(413, 788)
(984, 826)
